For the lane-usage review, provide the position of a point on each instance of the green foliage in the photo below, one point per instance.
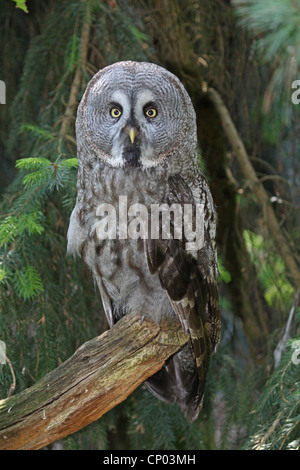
(276, 22)
(123, 32)
(21, 4)
(27, 219)
(27, 282)
(270, 267)
(72, 53)
(158, 426)
(275, 27)
(276, 416)
(224, 274)
(43, 172)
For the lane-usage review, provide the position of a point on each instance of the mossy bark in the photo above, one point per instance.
(101, 374)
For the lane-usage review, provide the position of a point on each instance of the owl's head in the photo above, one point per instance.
(136, 114)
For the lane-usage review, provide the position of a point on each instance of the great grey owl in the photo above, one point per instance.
(137, 151)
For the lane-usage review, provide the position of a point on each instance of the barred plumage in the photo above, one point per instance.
(136, 137)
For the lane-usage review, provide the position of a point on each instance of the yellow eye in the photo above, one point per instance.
(151, 112)
(115, 112)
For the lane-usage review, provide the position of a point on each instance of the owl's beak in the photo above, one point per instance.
(132, 134)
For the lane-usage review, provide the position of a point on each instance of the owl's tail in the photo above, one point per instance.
(178, 382)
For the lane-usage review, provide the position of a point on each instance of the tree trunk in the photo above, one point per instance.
(102, 373)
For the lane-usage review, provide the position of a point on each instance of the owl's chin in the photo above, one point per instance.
(131, 156)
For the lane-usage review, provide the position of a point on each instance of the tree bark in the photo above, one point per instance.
(69, 114)
(102, 373)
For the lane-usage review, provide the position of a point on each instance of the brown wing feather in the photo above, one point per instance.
(191, 290)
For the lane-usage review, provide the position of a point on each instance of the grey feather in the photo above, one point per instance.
(155, 277)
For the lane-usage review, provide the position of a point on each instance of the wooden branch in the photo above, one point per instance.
(273, 224)
(69, 114)
(102, 373)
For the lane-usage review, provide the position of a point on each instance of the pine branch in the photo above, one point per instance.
(282, 343)
(101, 374)
(244, 161)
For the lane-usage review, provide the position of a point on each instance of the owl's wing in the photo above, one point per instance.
(190, 286)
